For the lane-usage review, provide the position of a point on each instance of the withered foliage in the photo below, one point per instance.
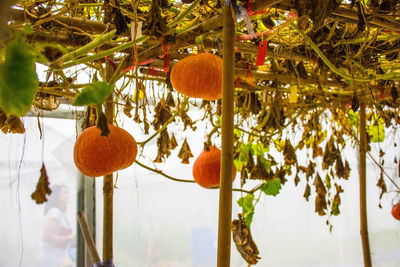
(172, 142)
(243, 240)
(42, 187)
(11, 124)
(156, 25)
(114, 16)
(46, 102)
(289, 153)
(162, 115)
(259, 172)
(336, 200)
(320, 199)
(128, 108)
(184, 153)
(163, 146)
(187, 121)
(331, 154)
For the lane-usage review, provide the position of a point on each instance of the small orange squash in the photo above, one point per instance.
(96, 155)
(396, 211)
(198, 76)
(206, 168)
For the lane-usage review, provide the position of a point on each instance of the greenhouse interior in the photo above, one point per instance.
(200, 133)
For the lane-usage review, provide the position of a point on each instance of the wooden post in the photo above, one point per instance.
(108, 184)
(363, 193)
(225, 195)
(91, 246)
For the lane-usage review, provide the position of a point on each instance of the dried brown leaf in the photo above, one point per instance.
(128, 108)
(307, 192)
(42, 187)
(13, 124)
(243, 240)
(185, 153)
(289, 153)
(172, 142)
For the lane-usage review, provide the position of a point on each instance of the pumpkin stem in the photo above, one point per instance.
(101, 121)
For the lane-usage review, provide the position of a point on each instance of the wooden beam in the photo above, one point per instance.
(225, 195)
(86, 25)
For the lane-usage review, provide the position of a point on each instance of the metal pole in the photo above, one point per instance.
(225, 196)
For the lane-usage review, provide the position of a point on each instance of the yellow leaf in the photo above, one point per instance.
(293, 94)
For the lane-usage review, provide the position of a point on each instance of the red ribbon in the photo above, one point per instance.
(250, 11)
(249, 75)
(248, 37)
(144, 62)
(165, 54)
(112, 62)
(237, 82)
(262, 52)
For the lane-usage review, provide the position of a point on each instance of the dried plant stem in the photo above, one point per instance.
(183, 107)
(388, 76)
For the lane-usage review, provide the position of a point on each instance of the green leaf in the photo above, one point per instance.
(259, 149)
(247, 204)
(18, 79)
(376, 129)
(267, 164)
(95, 93)
(272, 188)
(353, 118)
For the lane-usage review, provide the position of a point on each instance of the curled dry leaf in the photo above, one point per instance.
(187, 121)
(289, 153)
(162, 115)
(172, 142)
(336, 200)
(184, 153)
(164, 146)
(42, 187)
(11, 124)
(320, 199)
(47, 102)
(244, 241)
(128, 108)
(259, 172)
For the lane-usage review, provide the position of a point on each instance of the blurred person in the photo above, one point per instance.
(57, 240)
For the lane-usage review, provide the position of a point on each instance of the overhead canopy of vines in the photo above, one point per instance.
(302, 68)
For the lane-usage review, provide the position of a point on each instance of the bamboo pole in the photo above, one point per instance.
(225, 195)
(363, 193)
(90, 244)
(108, 185)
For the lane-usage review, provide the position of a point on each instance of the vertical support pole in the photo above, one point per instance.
(363, 193)
(108, 184)
(225, 195)
(86, 201)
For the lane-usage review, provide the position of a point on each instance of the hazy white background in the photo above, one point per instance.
(156, 220)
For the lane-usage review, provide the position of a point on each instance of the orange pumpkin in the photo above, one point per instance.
(396, 211)
(198, 76)
(96, 155)
(206, 168)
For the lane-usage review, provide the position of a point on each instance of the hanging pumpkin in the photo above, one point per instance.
(96, 155)
(198, 76)
(206, 168)
(396, 211)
